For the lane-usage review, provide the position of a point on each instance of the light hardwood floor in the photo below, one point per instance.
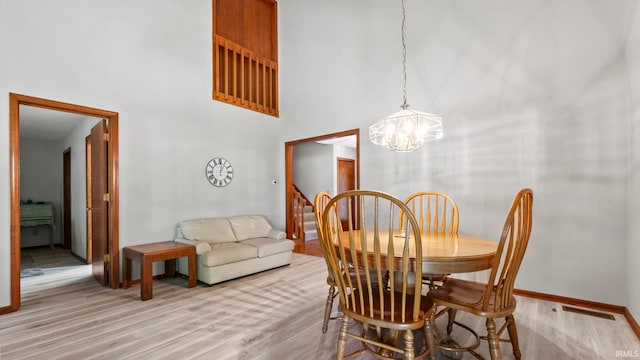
(276, 314)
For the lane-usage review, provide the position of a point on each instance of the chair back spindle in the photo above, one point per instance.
(391, 250)
(434, 211)
(511, 248)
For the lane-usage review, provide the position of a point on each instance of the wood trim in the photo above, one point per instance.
(632, 322)
(113, 161)
(89, 204)
(245, 54)
(66, 199)
(571, 301)
(288, 181)
(307, 201)
(15, 100)
(288, 160)
(584, 303)
(84, 261)
(14, 180)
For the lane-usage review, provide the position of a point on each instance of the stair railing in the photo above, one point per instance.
(299, 203)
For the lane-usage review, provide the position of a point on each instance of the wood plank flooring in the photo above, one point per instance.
(272, 315)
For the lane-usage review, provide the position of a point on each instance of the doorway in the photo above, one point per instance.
(288, 153)
(17, 100)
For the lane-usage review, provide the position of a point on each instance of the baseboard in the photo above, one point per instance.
(584, 303)
(84, 261)
(632, 322)
(5, 310)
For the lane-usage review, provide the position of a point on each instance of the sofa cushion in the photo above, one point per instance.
(268, 246)
(211, 230)
(250, 226)
(226, 253)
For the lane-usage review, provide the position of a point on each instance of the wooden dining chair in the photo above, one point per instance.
(391, 315)
(319, 204)
(495, 298)
(435, 212)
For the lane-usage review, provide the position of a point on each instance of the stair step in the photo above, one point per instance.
(310, 235)
(309, 226)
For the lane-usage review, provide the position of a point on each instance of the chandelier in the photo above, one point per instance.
(407, 130)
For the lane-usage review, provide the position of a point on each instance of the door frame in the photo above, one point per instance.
(15, 100)
(288, 165)
(89, 204)
(66, 199)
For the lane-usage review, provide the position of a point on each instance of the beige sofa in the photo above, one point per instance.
(231, 247)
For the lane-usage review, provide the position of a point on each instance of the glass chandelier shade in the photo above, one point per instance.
(407, 130)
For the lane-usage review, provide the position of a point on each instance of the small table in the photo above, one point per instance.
(146, 254)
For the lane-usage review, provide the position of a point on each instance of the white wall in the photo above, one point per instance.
(75, 140)
(150, 61)
(313, 168)
(41, 180)
(533, 94)
(633, 253)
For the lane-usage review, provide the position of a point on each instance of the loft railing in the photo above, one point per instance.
(243, 78)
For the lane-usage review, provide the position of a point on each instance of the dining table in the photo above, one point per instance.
(442, 253)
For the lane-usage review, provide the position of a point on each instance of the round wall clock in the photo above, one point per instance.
(219, 172)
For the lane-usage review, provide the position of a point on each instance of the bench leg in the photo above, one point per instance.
(126, 282)
(170, 268)
(193, 279)
(146, 283)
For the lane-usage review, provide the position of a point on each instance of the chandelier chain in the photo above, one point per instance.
(404, 58)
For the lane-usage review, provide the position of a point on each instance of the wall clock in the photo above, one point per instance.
(219, 172)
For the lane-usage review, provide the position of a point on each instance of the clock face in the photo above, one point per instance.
(219, 172)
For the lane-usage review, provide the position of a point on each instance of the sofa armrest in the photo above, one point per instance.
(277, 234)
(201, 246)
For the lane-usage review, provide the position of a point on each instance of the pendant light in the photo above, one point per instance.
(407, 130)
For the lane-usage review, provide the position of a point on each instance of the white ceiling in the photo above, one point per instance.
(348, 141)
(45, 124)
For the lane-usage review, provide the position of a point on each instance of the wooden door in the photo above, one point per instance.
(346, 181)
(87, 160)
(99, 202)
(66, 199)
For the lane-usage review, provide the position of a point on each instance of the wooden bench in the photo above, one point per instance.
(147, 254)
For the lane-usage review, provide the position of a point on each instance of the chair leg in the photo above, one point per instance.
(409, 352)
(342, 337)
(327, 309)
(494, 342)
(429, 335)
(452, 318)
(513, 335)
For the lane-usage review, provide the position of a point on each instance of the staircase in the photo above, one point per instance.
(310, 231)
(304, 219)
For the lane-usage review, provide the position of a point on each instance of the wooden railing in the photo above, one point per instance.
(299, 203)
(243, 78)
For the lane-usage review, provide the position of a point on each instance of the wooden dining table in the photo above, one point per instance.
(442, 253)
